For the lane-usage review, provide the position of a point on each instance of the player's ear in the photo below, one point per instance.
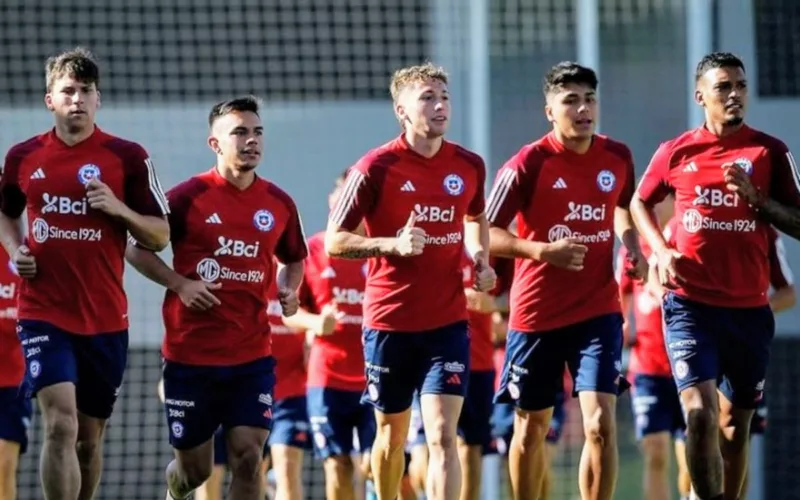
(548, 112)
(213, 143)
(48, 101)
(400, 112)
(99, 99)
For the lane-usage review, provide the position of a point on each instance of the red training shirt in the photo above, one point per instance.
(424, 292)
(289, 350)
(724, 244)
(221, 234)
(80, 251)
(336, 360)
(12, 368)
(555, 193)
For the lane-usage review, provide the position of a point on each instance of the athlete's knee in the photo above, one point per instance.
(441, 438)
(195, 472)
(61, 426)
(9, 458)
(531, 428)
(392, 434)
(599, 421)
(245, 461)
(88, 450)
(339, 470)
(656, 451)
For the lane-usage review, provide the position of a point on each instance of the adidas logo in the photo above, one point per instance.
(214, 219)
(560, 184)
(690, 167)
(408, 187)
(38, 174)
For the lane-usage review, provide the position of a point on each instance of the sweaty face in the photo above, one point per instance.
(238, 138)
(74, 103)
(424, 107)
(723, 92)
(572, 109)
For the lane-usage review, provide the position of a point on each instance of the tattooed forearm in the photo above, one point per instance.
(786, 219)
(346, 245)
(359, 253)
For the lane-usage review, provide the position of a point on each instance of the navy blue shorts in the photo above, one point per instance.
(533, 371)
(221, 448)
(15, 416)
(503, 424)
(399, 363)
(729, 345)
(656, 406)
(474, 425)
(340, 423)
(200, 399)
(95, 364)
(290, 423)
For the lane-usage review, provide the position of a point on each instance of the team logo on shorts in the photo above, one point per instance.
(88, 172)
(35, 368)
(606, 181)
(319, 440)
(681, 369)
(372, 389)
(745, 164)
(513, 390)
(453, 184)
(177, 429)
(264, 220)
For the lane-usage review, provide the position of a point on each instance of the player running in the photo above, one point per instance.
(420, 199)
(730, 183)
(569, 192)
(331, 298)
(82, 191)
(658, 418)
(227, 226)
(15, 408)
(290, 437)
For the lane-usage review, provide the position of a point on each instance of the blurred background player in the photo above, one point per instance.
(290, 438)
(730, 182)
(569, 192)
(331, 299)
(227, 227)
(15, 407)
(658, 417)
(82, 191)
(421, 201)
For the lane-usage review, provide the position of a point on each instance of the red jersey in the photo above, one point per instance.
(648, 354)
(12, 369)
(336, 360)
(424, 292)
(289, 350)
(221, 234)
(555, 193)
(80, 251)
(724, 244)
(480, 327)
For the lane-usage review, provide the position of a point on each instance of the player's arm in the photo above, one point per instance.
(291, 252)
(653, 188)
(153, 267)
(624, 226)
(784, 295)
(12, 204)
(344, 236)
(781, 207)
(625, 294)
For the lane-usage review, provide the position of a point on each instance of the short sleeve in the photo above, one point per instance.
(785, 185)
(506, 198)
(358, 199)
(780, 274)
(477, 205)
(143, 192)
(12, 199)
(292, 245)
(655, 186)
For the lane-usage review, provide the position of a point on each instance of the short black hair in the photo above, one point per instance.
(567, 72)
(79, 63)
(717, 60)
(240, 104)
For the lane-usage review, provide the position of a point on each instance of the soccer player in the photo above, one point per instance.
(82, 191)
(290, 438)
(420, 199)
(331, 298)
(227, 227)
(730, 183)
(569, 192)
(658, 418)
(15, 408)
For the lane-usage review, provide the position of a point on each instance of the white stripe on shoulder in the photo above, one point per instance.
(499, 193)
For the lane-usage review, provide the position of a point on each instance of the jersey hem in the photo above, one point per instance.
(548, 326)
